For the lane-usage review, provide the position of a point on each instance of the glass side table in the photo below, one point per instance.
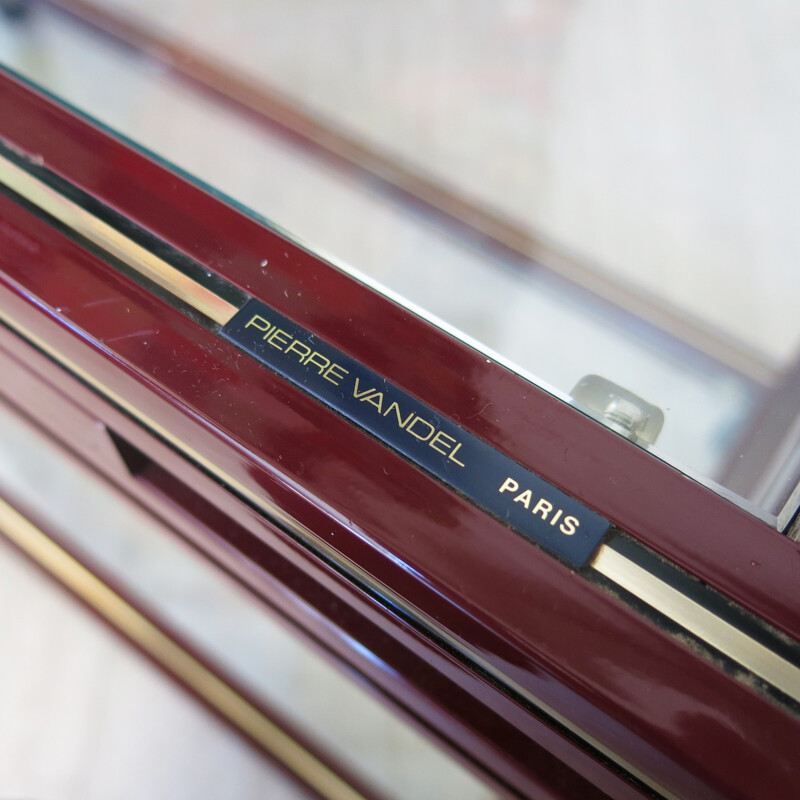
(538, 497)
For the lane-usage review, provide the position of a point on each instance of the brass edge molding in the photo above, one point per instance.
(277, 515)
(699, 621)
(242, 714)
(112, 241)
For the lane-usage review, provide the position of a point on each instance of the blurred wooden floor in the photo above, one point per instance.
(83, 716)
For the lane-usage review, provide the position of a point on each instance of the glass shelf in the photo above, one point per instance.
(572, 190)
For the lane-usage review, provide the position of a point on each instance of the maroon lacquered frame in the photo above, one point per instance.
(395, 659)
(644, 695)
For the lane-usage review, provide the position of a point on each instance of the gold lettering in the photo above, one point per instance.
(294, 348)
(356, 392)
(569, 525)
(509, 485)
(375, 399)
(334, 373)
(544, 507)
(400, 421)
(257, 322)
(524, 498)
(413, 422)
(279, 335)
(438, 440)
(316, 359)
(452, 456)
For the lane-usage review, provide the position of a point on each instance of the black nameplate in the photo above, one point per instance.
(492, 481)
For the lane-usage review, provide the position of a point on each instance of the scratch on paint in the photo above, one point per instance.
(132, 335)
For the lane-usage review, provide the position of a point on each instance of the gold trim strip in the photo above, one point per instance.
(137, 627)
(115, 243)
(707, 626)
(276, 514)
